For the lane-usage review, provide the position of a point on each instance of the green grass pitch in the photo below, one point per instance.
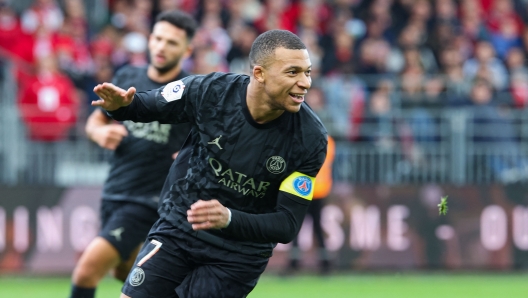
(392, 285)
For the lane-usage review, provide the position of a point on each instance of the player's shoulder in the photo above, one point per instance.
(129, 75)
(217, 78)
(130, 71)
(311, 122)
(227, 77)
(214, 87)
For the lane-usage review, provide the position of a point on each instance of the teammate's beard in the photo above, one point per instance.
(167, 67)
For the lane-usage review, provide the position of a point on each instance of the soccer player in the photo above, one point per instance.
(322, 188)
(242, 181)
(141, 160)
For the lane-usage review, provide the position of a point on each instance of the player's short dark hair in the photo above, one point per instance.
(265, 44)
(179, 19)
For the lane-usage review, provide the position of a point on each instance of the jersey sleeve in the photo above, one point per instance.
(176, 102)
(282, 225)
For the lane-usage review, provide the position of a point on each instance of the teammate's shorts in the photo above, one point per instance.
(183, 266)
(126, 225)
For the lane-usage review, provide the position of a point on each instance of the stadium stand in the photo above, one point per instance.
(414, 91)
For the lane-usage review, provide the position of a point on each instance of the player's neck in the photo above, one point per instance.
(164, 77)
(259, 108)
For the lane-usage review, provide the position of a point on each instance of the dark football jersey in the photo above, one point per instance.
(141, 162)
(228, 156)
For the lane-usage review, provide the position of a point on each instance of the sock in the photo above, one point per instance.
(324, 261)
(78, 292)
(295, 257)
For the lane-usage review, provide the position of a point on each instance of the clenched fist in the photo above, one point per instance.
(205, 215)
(109, 136)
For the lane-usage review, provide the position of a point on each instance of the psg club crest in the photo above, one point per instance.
(302, 185)
(276, 164)
(173, 91)
(137, 277)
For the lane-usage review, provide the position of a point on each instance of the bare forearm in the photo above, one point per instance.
(101, 130)
(95, 121)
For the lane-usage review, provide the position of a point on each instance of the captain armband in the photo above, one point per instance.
(299, 184)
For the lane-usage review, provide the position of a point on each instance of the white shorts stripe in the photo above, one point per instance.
(151, 253)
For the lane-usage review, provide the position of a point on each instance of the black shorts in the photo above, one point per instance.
(126, 225)
(185, 267)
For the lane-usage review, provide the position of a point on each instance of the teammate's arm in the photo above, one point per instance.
(102, 130)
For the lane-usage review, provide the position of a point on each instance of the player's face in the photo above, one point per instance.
(168, 44)
(288, 79)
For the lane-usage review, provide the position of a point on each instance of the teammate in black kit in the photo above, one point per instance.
(140, 163)
(243, 179)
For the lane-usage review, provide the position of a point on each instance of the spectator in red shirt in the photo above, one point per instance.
(12, 39)
(48, 103)
(278, 14)
(502, 10)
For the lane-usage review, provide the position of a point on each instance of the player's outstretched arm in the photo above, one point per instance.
(113, 97)
(102, 130)
(146, 106)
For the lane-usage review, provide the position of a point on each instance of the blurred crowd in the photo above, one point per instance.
(371, 59)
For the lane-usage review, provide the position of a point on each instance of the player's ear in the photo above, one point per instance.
(259, 73)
